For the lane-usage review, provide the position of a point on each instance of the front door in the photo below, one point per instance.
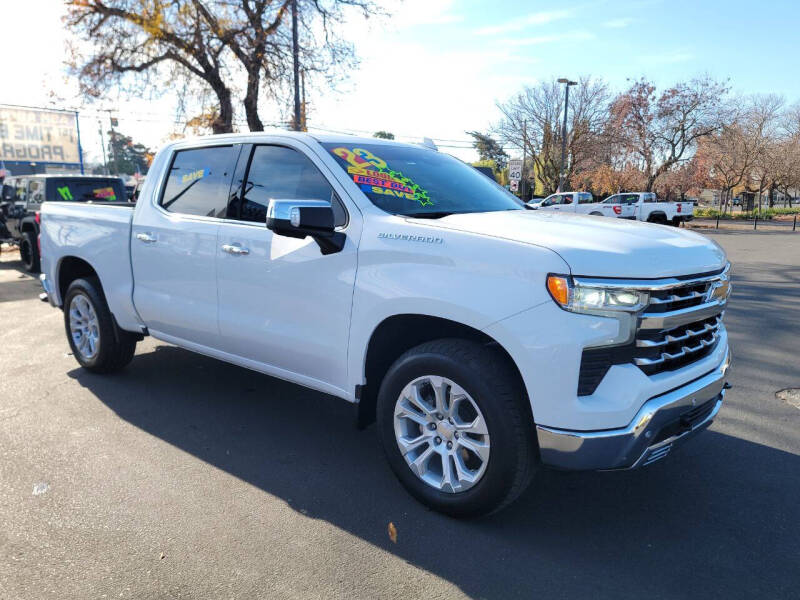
(174, 244)
(283, 306)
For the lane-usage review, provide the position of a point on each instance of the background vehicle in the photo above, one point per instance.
(585, 205)
(648, 208)
(23, 197)
(484, 339)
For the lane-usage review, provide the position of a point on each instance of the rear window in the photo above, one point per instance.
(199, 181)
(86, 190)
(585, 198)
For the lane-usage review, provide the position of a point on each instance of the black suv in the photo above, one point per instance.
(23, 195)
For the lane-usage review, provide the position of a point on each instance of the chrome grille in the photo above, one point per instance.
(680, 325)
(663, 350)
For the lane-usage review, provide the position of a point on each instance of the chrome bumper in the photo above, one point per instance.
(660, 424)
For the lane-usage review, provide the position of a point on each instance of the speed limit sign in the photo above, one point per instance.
(515, 169)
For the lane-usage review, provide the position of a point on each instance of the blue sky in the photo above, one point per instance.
(755, 44)
(437, 67)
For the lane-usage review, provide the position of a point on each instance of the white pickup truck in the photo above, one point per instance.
(485, 339)
(646, 207)
(583, 203)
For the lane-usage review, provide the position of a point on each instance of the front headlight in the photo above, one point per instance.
(616, 303)
(593, 300)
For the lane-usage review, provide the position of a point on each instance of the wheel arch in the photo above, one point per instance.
(398, 333)
(71, 268)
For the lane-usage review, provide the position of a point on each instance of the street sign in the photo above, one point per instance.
(513, 185)
(515, 169)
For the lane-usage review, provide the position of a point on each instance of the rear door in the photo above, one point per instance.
(568, 203)
(282, 303)
(629, 204)
(174, 245)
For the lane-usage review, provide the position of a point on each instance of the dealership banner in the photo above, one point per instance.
(38, 135)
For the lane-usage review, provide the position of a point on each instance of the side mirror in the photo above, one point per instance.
(302, 218)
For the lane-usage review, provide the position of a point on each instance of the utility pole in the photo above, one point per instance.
(303, 126)
(524, 148)
(113, 121)
(103, 146)
(564, 130)
(296, 67)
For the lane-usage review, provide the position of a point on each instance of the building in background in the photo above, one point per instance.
(39, 140)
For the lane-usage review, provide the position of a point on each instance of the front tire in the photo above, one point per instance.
(97, 343)
(455, 428)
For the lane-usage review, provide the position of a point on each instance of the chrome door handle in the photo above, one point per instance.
(147, 238)
(234, 249)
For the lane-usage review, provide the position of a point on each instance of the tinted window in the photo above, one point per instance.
(566, 199)
(611, 199)
(199, 181)
(21, 186)
(409, 180)
(649, 197)
(550, 200)
(280, 173)
(585, 198)
(83, 190)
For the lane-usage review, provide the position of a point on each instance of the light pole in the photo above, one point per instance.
(567, 83)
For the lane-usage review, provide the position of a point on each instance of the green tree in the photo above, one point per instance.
(384, 135)
(130, 156)
(489, 149)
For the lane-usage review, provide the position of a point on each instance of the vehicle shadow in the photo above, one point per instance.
(718, 519)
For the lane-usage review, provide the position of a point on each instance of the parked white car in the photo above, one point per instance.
(583, 203)
(485, 339)
(646, 207)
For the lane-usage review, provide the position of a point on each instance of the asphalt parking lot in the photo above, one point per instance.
(183, 477)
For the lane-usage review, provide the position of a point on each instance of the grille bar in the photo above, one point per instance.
(690, 333)
(665, 356)
(676, 298)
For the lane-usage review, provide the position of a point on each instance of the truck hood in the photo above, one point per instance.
(598, 246)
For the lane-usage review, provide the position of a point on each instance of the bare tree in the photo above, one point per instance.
(532, 121)
(155, 41)
(762, 121)
(147, 42)
(660, 131)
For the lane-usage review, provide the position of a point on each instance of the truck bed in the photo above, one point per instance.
(98, 233)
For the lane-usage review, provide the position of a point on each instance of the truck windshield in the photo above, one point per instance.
(68, 189)
(418, 182)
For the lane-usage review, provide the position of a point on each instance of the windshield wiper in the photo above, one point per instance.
(428, 215)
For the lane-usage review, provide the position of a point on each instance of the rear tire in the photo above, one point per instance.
(475, 376)
(96, 340)
(29, 252)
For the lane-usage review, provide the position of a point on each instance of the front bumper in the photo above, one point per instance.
(663, 422)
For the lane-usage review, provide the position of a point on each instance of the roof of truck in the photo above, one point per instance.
(325, 138)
